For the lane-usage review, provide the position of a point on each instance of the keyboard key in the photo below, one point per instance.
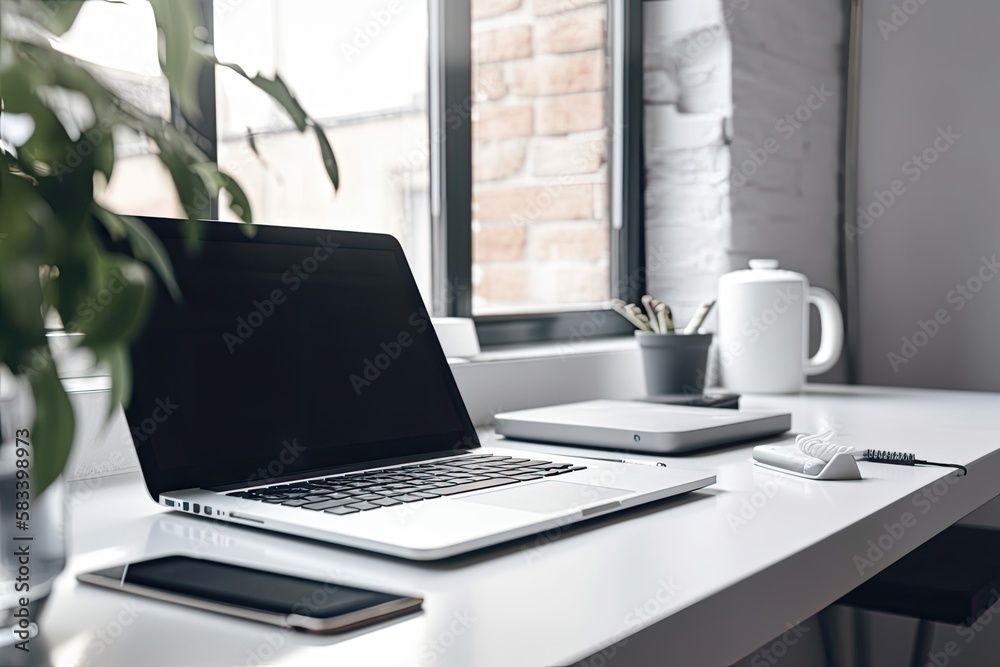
(405, 489)
(326, 504)
(341, 510)
(363, 506)
(367, 496)
(386, 502)
(426, 494)
(408, 498)
(298, 502)
(525, 478)
(316, 498)
(474, 486)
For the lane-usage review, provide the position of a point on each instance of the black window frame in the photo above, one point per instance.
(450, 96)
(451, 220)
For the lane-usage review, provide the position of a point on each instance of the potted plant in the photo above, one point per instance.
(51, 258)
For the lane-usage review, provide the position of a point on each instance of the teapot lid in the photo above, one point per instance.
(764, 270)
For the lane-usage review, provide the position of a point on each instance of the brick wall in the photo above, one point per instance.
(781, 199)
(540, 224)
(687, 110)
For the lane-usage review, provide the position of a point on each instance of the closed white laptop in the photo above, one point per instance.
(640, 426)
(299, 387)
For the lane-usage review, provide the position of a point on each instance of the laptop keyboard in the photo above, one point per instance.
(373, 489)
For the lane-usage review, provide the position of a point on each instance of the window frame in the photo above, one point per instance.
(451, 89)
(450, 92)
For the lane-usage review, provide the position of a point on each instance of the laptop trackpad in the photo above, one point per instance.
(546, 497)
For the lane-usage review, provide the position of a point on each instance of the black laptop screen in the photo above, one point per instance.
(294, 350)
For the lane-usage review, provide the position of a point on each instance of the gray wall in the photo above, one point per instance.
(920, 73)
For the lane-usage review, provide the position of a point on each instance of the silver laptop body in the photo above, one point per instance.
(299, 388)
(640, 426)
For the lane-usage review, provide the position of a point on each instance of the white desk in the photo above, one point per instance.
(704, 579)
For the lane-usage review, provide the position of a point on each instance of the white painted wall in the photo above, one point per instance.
(784, 194)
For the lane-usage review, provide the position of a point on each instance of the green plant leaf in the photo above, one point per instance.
(118, 298)
(240, 204)
(329, 160)
(52, 433)
(144, 244)
(188, 183)
(120, 365)
(178, 21)
(58, 69)
(215, 180)
(275, 88)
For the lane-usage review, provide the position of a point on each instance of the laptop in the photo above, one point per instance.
(640, 426)
(299, 387)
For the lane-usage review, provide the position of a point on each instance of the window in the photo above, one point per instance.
(540, 209)
(119, 39)
(497, 139)
(359, 68)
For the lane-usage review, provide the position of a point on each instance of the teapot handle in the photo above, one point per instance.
(831, 342)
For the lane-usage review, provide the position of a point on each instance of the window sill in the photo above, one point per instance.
(530, 376)
(508, 353)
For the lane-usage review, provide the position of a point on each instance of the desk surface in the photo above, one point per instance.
(706, 578)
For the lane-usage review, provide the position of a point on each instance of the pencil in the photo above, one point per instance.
(668, 317)
(699, 317)
(647, 302)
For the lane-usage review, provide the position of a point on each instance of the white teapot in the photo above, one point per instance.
(763, 334)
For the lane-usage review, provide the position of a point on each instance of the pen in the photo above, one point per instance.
(659, 464)
(665, 318)
(647, 302)
(625, 311)
(699, 317)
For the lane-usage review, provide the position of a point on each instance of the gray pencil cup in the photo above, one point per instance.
(674, 363)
